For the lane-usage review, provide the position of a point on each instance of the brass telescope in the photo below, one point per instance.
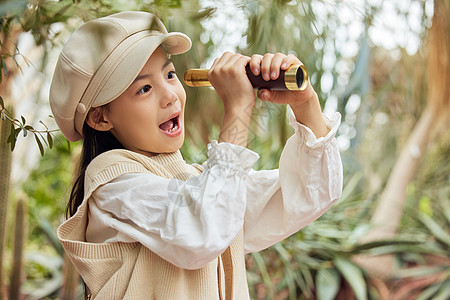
(295, 78)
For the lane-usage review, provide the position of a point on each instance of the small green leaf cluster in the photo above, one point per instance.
(20, 126)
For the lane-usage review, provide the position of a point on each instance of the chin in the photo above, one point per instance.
(176, 145)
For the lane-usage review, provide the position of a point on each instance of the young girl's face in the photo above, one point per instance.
(148, 117)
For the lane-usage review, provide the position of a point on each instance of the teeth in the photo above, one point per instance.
(174, 128)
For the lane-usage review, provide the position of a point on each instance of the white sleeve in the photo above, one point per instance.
(188, 223)
(309, 180)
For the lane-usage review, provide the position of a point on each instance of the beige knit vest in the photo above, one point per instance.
(132, 271)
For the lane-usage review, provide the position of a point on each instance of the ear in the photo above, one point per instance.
(98, 120)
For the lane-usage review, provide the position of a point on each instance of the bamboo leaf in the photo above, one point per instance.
(435, 229)
(444, 292)
(264, 273)
(327, 283)
(306, 272)
(349, 188)
(289, 270)
(12, 137)
(353, 275)
(446, 209)
(49, 140)
(421, 271)
(16, 132)
(428, 292)
(41, 147)
(383, 243)
(40, 121)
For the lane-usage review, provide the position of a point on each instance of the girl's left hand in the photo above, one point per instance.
(305, 104)
(269, 67)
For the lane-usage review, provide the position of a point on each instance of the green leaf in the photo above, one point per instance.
(17, 131)
(62, 11)
(41, 147)
(428, 292)
(445, 204)
(421, 271)
(12, 137)
(49, 140)
(48, 230)
(259, 260)
(444, 292)
(40, 121)
(435, 229)
(327, 283)
(289, 277)
(353, 275)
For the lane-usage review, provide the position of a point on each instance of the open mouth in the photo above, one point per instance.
(171, 126)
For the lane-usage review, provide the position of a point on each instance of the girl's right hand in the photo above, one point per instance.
(229, 78)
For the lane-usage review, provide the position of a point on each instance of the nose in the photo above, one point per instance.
(168, 96)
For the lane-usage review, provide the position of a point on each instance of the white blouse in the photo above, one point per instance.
(189, 223)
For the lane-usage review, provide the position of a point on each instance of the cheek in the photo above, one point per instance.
(129, 117)
(179, 90)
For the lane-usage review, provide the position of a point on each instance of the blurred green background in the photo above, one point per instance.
(384, 65)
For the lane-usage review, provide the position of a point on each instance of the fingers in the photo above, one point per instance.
(229, 64)
(264, 95)
(255, 64)
(229, 59)
(269, 65)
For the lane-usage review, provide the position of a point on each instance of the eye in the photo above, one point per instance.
(145, 89)
(171, 75)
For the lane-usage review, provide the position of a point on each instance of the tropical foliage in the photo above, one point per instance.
(381, 93)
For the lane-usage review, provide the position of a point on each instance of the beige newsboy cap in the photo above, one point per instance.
(100, 61)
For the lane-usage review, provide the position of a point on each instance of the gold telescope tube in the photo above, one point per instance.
(295, 78)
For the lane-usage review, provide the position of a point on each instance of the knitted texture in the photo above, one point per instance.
(132, 271)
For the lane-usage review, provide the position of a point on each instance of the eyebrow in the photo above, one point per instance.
(139, 77)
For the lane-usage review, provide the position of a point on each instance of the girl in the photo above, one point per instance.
(144, 224)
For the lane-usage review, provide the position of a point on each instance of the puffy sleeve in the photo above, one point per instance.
(309, 180)
(188, 223)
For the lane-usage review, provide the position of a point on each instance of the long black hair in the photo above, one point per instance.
(95, 143)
